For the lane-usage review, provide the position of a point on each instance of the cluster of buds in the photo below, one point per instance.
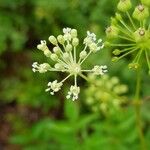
(133, 33)
(64, 55)
(106, 95)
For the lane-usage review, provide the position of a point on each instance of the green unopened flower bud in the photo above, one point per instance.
(116, 52)
(114, 59)
(61, 39)
(66, 56)
(107, 44)
(93, 47)
(141, 12)
(83, 54)
(146, 2)
(73, 33)
(118, 16)
(133, 66)
(141, 35)
(123, 89)
(113, 21)
(112, 32)
(47, 53)
(75, 42)
(57, 50)
(68, 47)
(59, 66)
(124, 5)
(53, 40)
(54, 57)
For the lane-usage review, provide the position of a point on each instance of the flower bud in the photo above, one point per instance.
(59, 66)
(73, 33)
(57, 50)
(61, 39)
(93, 47)
(113, 21)
(116, 52)
(124, 5)
(146, 2)
(75, 42)
(83, 54)
(47, 53)
(68, 48)
(112, 32)
(107, 44)
(141, 35)
(133, 66)
(118, 16)
(114, 59)
(66, 56)
(53, 40)
(54, 57)
(141, 12)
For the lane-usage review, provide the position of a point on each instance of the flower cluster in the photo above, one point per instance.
(133, 32)
(106, 95)
(64, 55)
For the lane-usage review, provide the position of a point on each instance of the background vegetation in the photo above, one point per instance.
(31, 119)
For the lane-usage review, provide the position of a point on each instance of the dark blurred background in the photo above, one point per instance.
(31, 119)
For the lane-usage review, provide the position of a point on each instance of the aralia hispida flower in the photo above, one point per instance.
(129, 33)
(106, 95)
(64, 55)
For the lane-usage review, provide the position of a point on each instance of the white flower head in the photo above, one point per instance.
(73, 93)
(53, 87)
(67, 61)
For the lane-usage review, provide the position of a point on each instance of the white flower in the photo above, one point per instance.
(90, 41)
(67, 61)
(73, 93)
(42, 46)
(54, 87)
(41, 68)
(67, 33)
(99, 70)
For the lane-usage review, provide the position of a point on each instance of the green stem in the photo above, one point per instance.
(137, 110)
(131, 20)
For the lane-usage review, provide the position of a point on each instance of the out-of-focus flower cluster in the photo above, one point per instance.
(129, 33)
(64, 55)
(106, 94)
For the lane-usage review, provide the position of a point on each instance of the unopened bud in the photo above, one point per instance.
(57, 50)
(112, 32)
(133, 66)
(93, 47)
(83, 54)
(53, 40)
(61, 39)
(124, 5)
(68, 47)
(116, 52)
(54, 57)
(114, 59)
(141, 12)
(66, 56)
(118, 16)
(73, 33)
(75, 42)
(141, 35)
(47, 53)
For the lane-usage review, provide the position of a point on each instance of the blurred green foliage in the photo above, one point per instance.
(39, 121)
